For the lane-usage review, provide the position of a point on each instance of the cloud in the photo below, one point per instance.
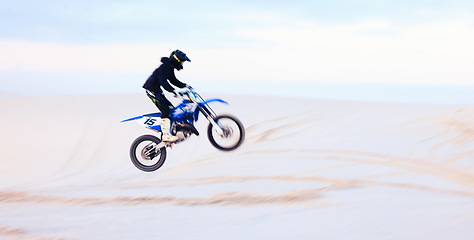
(76, 58)
(370, 51)
(299, 50)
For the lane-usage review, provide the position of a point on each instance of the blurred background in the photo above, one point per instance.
(309, 168)
(405, 51)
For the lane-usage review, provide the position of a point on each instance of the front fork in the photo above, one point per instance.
(217, 126)
(210, 115)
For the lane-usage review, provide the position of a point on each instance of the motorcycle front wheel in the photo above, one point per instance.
(144, 154)
(230, 135)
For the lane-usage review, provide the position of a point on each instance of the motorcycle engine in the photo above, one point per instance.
(182, 135)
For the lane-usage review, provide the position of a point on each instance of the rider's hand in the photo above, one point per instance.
(175, 93)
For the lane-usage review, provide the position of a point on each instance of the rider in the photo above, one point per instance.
(160, 78)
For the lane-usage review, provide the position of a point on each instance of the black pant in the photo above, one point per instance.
(160, 101)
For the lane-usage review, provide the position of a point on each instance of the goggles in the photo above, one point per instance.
(177, 59)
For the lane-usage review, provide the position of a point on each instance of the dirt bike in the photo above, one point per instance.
(225, 132)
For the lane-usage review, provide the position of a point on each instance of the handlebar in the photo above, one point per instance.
(191, 94)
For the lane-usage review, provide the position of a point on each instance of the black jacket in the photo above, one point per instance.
(160, 78)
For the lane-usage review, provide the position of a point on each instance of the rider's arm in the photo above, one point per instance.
(176, 82)
(166, 85)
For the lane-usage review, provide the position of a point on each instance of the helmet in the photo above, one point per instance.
(177, 59)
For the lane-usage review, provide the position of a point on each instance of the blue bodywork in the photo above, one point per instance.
(187, 111)
(147, 115)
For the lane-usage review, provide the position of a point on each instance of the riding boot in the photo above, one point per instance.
(165, 129)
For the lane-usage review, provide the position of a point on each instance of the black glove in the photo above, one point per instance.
(175, 93)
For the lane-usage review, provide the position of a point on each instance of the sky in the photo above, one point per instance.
(102, 46)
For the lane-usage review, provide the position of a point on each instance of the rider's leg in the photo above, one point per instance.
(161, 103)
(165, 129)
(164, 106)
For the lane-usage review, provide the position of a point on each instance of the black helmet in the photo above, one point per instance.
(177, 59)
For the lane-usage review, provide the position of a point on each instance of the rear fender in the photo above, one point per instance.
(131, 119)
(151, 121)
(143, 116)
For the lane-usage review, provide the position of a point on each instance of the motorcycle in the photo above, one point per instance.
(225, 132)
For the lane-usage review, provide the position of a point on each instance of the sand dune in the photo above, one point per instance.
(309, 169)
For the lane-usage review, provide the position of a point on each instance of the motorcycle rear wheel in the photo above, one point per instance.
(233, 133)
(144, 155)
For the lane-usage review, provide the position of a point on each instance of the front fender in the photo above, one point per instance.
(215, 100)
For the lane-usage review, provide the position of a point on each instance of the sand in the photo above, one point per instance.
(308, 169)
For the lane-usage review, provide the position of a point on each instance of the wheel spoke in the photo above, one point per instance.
(228, 134)
(144, 154)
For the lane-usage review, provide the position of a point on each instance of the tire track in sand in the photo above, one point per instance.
(401, 166)
(18, 233)
(307, 196)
